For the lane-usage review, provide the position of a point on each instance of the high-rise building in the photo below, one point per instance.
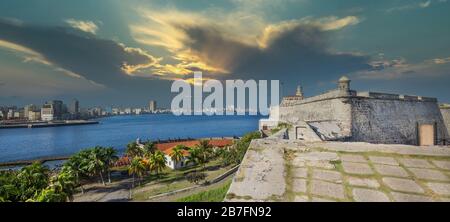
(152, 106)
(27, 110)
(74, 107)
(57, 106)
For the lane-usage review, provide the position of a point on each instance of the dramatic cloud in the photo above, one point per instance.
(102, 61)
(401, 69)
(29, 55)
(105, 63)
(415, 5)
(85, 26)
(223, 47)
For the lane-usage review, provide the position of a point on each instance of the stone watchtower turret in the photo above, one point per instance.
(344, 84)
(299, 92)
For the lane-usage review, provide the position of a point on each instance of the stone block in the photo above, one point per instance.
(353, 158)
(357, 168)
(368, 195)
(428, 174)
(387, 170)
(383, 160)
(442, 164)
(300, 172)
(418, 163)
(299, 185)
(322, 188)
(301, 198)
(403, 197)
(440, 188)
(363, 182)
(328, 175)
(404, 185)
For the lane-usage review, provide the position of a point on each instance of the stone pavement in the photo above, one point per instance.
(275, 169)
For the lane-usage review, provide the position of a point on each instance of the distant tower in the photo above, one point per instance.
(74, 107)
(344, 84)
(152, 106)
(299, 92)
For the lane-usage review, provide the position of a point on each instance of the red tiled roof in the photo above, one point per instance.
(168, 147)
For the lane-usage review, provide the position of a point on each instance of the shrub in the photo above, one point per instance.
(195, 177)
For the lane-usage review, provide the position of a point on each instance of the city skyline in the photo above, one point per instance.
(125, 53)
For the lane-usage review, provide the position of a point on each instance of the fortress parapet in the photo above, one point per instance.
(345, 114)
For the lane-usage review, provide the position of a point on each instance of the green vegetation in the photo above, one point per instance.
(214, 195)
(36, 183)
(137, 168)
(177, 153)
(195, 177)
(170, 180)
(280, 127)
(237, 153)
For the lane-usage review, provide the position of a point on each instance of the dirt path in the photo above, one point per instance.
(177, 196)
(115, 192)
(119, 191)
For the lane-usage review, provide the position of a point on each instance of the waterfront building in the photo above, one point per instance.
(29, 108)
(96, 111)
(74, 107)
(152, 106)
(19, 114)
(57, 106)
(47, 112)
(127, 111)
(115, 111)
(10, 114)
(167, 149)
(34, 115)
(137, 111)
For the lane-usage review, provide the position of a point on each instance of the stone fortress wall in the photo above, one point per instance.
(344, 114)
(390, 118)
(331, 107)
(445, 111)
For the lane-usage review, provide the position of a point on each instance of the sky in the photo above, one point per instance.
(126, 53)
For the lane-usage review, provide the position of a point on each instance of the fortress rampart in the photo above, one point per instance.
(348, 115)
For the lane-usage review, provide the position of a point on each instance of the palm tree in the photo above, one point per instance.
(133, 150)
(78, 165)
(149, 149)
(204, 144)
(198, 155)
(206, 152)
(48, 194)
(157, 162)
(110, 156)
(96, 163)
(32, 179)
(64, 183)
(194, 155)
(137, 167)
(177, 154)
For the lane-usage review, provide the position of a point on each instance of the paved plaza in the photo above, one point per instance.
(286, 170)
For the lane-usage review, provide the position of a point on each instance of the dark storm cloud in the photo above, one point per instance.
(95, 59)
(299, 54)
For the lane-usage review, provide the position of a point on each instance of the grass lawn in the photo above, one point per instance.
(213, 195)
(170, 180)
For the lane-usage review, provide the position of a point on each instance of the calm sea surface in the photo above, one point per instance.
(117, 131)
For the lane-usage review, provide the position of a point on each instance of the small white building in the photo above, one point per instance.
(167, 148)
